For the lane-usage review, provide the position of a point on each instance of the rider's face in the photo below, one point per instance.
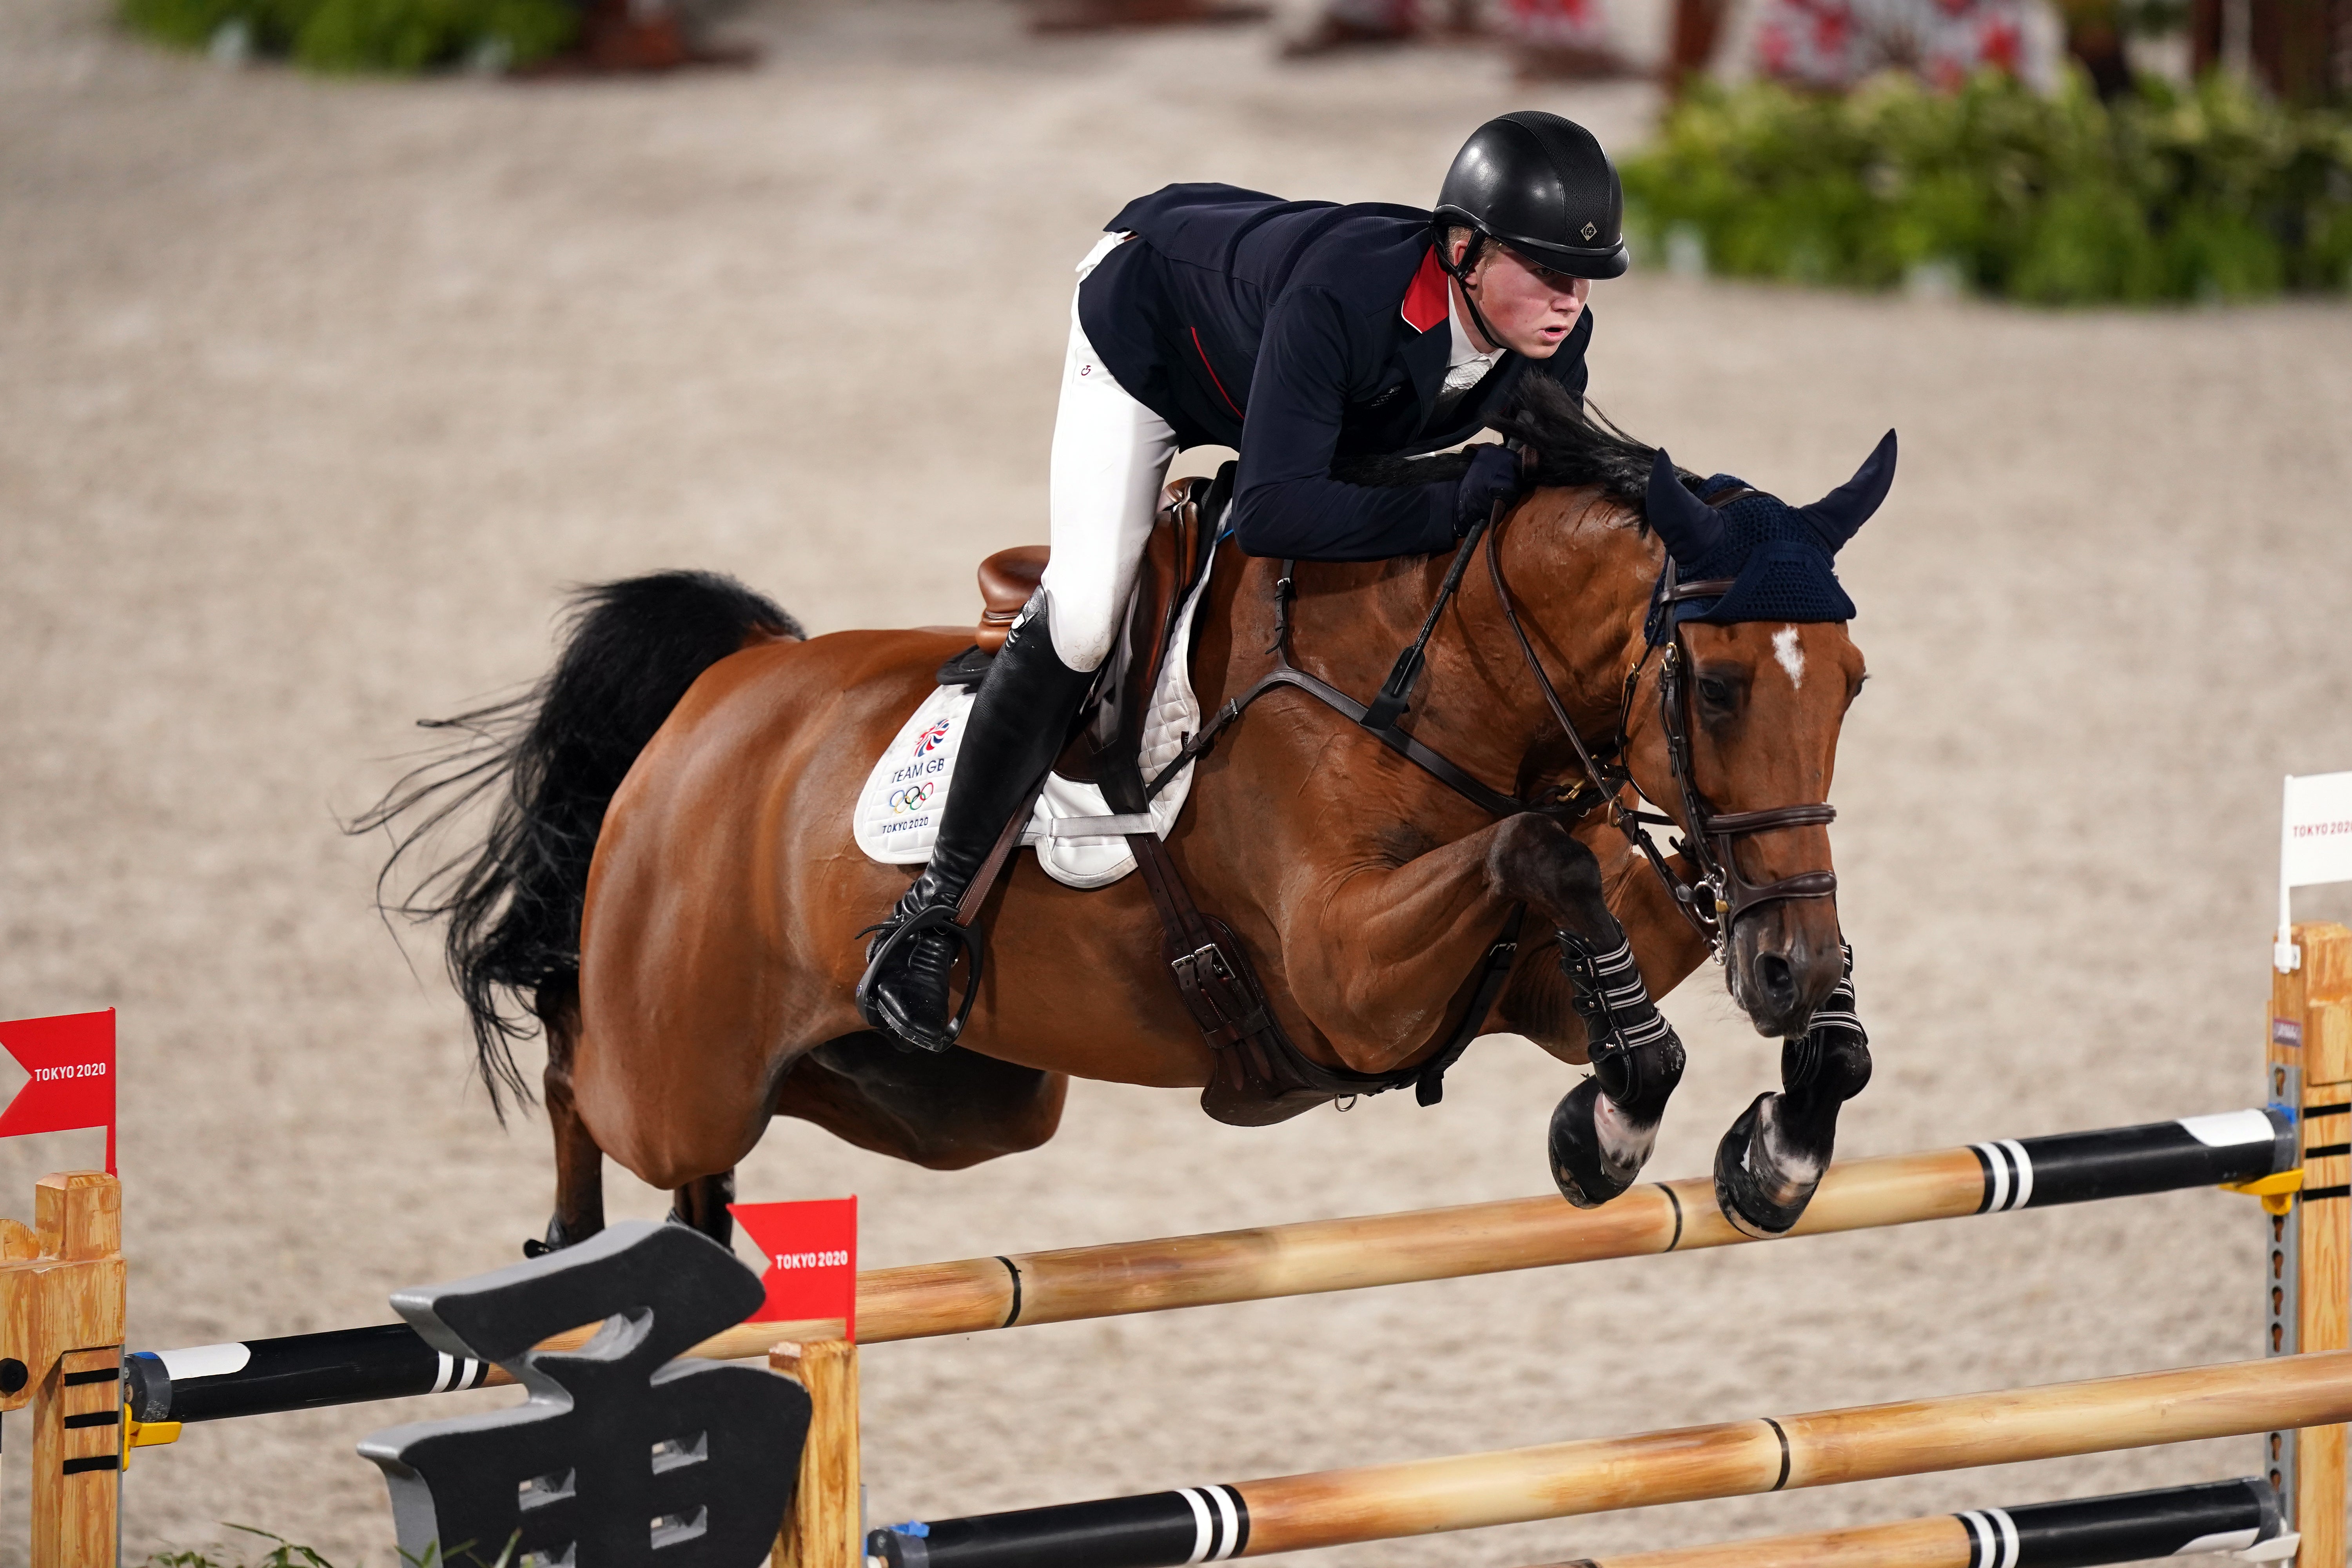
(1532, 309)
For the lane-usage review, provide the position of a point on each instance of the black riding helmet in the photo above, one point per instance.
(1541, 186)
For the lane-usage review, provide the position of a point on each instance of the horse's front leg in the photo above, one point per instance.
(1768, 1165)
(1603, 1130)
(1379, 935)
(1376, 947)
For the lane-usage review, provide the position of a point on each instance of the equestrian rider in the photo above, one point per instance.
(1304, 333)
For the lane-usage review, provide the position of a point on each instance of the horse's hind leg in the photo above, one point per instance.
(944, 1112)
(702, 1204)
(1768, 1165)
(579, 1164)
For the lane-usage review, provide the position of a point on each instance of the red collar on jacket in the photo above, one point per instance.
(1427, 299)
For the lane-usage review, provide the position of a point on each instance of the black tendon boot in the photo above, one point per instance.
(1603, 1132)
(1768, 1165)
(1016, 728)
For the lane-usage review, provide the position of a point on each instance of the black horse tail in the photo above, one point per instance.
(549, 761)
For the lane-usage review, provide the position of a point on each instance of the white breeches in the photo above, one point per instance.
(1110, 459)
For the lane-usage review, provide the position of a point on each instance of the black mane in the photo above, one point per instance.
(1573, 444)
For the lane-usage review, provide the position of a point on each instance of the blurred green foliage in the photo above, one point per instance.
(290, 1554)
(285, 1554)
(365, 35)
(2059, 199)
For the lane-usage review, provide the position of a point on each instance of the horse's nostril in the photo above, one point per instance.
(1775, 979)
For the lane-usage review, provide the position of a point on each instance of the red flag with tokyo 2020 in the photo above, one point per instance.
(72, 1060)
(810, 1249)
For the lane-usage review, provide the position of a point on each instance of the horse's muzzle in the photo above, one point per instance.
(1785, 958)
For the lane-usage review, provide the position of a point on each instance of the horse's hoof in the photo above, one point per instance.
(554, 1241)
(1759, 1199)
(1596, 1152)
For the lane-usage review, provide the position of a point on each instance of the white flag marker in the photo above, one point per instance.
(2315, 846)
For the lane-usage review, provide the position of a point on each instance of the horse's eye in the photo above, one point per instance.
(1713, 692)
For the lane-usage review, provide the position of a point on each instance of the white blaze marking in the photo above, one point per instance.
(1792, 656)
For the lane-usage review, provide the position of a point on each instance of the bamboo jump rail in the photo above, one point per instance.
(1316, 1257)
(982, 1294)
(1740, 1458)
(2128, 1526)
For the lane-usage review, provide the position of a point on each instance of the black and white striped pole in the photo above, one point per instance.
(1208, 1524)
(2240, 1518)
(299, 1372)
(1214, 1524)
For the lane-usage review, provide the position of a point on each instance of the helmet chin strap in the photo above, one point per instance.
(1460, 273)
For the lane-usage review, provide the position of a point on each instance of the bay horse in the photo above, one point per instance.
(669, 888)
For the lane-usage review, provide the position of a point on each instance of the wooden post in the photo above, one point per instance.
(2309, 1262)
(61, 1352)
(826, 1526)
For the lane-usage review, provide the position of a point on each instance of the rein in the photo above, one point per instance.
(1712, 901)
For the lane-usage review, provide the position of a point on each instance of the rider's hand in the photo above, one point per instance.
(1493, 476)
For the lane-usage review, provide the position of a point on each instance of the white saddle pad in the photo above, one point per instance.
(1078, 838)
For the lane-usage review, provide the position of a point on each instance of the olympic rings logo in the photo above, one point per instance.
(914, 798)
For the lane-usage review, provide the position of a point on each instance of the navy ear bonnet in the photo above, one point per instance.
(1780, 558)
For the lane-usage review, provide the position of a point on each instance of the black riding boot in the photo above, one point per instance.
(1017, 726)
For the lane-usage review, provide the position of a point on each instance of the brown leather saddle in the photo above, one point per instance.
(1007, 579)
(1111, 718)
(1260, 1076)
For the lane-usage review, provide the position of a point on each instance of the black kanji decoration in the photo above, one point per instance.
(624, 1456)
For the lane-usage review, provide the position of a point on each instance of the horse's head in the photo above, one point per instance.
(1732, 726)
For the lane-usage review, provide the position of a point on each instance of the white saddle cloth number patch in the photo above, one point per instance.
(1078, 838)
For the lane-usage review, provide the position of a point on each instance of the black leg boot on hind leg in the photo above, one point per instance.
(1603, 1130)
(1017, 727)
(703, 1204)
(1770, 1163)
(557, 1239)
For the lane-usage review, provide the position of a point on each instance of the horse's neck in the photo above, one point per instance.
(1347, 622)
(1579, 577)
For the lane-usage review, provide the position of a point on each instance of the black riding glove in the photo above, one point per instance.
(1493, 476)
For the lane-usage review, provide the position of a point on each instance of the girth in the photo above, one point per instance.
(1260, 1076)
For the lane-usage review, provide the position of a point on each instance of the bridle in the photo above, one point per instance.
(1713, 900)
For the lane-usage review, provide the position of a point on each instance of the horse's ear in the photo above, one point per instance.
(1838, 514)
(1689, 525)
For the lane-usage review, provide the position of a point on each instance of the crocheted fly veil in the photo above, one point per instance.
(1779, 559)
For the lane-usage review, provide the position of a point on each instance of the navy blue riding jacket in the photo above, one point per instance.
(1302, 333)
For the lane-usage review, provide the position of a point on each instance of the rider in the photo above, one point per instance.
(1303, 334)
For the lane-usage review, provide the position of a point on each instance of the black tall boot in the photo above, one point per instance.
(1017, 727)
